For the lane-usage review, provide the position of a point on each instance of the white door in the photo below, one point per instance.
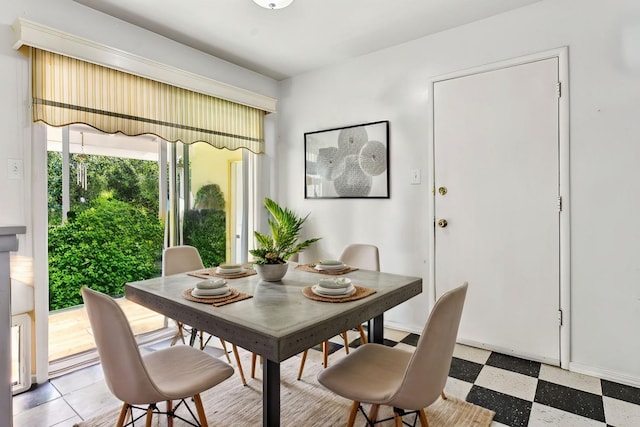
(496, 175)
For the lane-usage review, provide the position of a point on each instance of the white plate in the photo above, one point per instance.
(333, 291)
(230, 270)
(330, 267)
(314, 289)
(210, 284)
(211, 293)
(339, 283)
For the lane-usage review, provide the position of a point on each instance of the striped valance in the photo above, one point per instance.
(67, 91)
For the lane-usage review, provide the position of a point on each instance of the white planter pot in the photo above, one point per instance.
(271, 272)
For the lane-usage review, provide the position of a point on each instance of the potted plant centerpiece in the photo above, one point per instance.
(273, 251)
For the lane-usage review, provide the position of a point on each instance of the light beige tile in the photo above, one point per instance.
(457, 388)
(545, 416)
(92, 400)
(497, 424)
(69, 423)
(47, 414)
(79, 379)
(394, 334)
(620, 413)
(570, 379)
(507, 382)
(473, 354)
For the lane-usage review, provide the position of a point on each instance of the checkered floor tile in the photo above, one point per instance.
(526, 393)
(521, 392)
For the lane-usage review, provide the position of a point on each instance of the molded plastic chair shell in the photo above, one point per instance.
(381, 375)
(180, 259)
(169, 374)
(365, 257)
(362, 256)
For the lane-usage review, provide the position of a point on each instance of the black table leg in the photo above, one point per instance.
(376, 333)
(270, 394)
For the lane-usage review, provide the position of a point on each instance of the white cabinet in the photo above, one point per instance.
(8, 243)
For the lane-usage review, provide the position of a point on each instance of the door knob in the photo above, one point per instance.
(442, 223)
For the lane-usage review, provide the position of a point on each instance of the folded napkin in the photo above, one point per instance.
(211, 284)
(229, 266)
(210, 292)
(226, 269)
(330, 262)
(341, 283)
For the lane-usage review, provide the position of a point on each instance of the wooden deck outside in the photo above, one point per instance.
(70, 332)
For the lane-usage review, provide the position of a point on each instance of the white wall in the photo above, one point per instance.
(71, 17)
(604, 61)
(18, 201)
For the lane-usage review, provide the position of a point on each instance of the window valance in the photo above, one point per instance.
(68, 90)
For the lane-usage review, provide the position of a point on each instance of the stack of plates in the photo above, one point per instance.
(334, 288)
(330, 265)
(229, 269)
(211, 288)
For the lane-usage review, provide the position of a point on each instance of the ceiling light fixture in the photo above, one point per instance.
(273, 4)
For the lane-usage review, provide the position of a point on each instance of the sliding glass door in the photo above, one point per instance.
(115, 203)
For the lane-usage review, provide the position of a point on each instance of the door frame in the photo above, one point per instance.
(562, 53)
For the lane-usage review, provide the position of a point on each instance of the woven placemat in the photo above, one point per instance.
(208, 273)
(310, 268)
(361, 292)
(235, 296)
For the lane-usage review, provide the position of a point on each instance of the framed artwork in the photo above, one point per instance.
(347, 162)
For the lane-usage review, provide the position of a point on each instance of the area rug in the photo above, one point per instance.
(303, 403)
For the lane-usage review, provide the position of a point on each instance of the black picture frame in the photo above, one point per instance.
(347, 162)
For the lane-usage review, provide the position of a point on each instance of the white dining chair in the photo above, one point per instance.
(174, 373)
(362, 256)
(408, 382)
(182, 259)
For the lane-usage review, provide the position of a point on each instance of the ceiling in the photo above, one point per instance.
(307, 35)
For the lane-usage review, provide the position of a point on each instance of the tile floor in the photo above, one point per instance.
(521, 392)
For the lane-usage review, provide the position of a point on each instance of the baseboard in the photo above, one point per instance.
(511, 352)
(605, 374)
(401, 327)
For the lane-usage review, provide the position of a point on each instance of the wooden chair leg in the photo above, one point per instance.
(128, 416)
(226, 352)
(346, 341)
(352, 414)
(179, 335)
(373, 413)
(423, 418)
(325, 353)
(397, 418)
(201, 333)
(169, 414)
(253, 365)
(363, 336)
(149, 416)
(444, 396)
(123, 414)
(201, 415)
(240, 370)
(304, 359)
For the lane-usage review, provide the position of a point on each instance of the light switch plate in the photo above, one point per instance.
(415, 176)
(14, 169)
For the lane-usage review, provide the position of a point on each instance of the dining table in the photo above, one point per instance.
(277, 320)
